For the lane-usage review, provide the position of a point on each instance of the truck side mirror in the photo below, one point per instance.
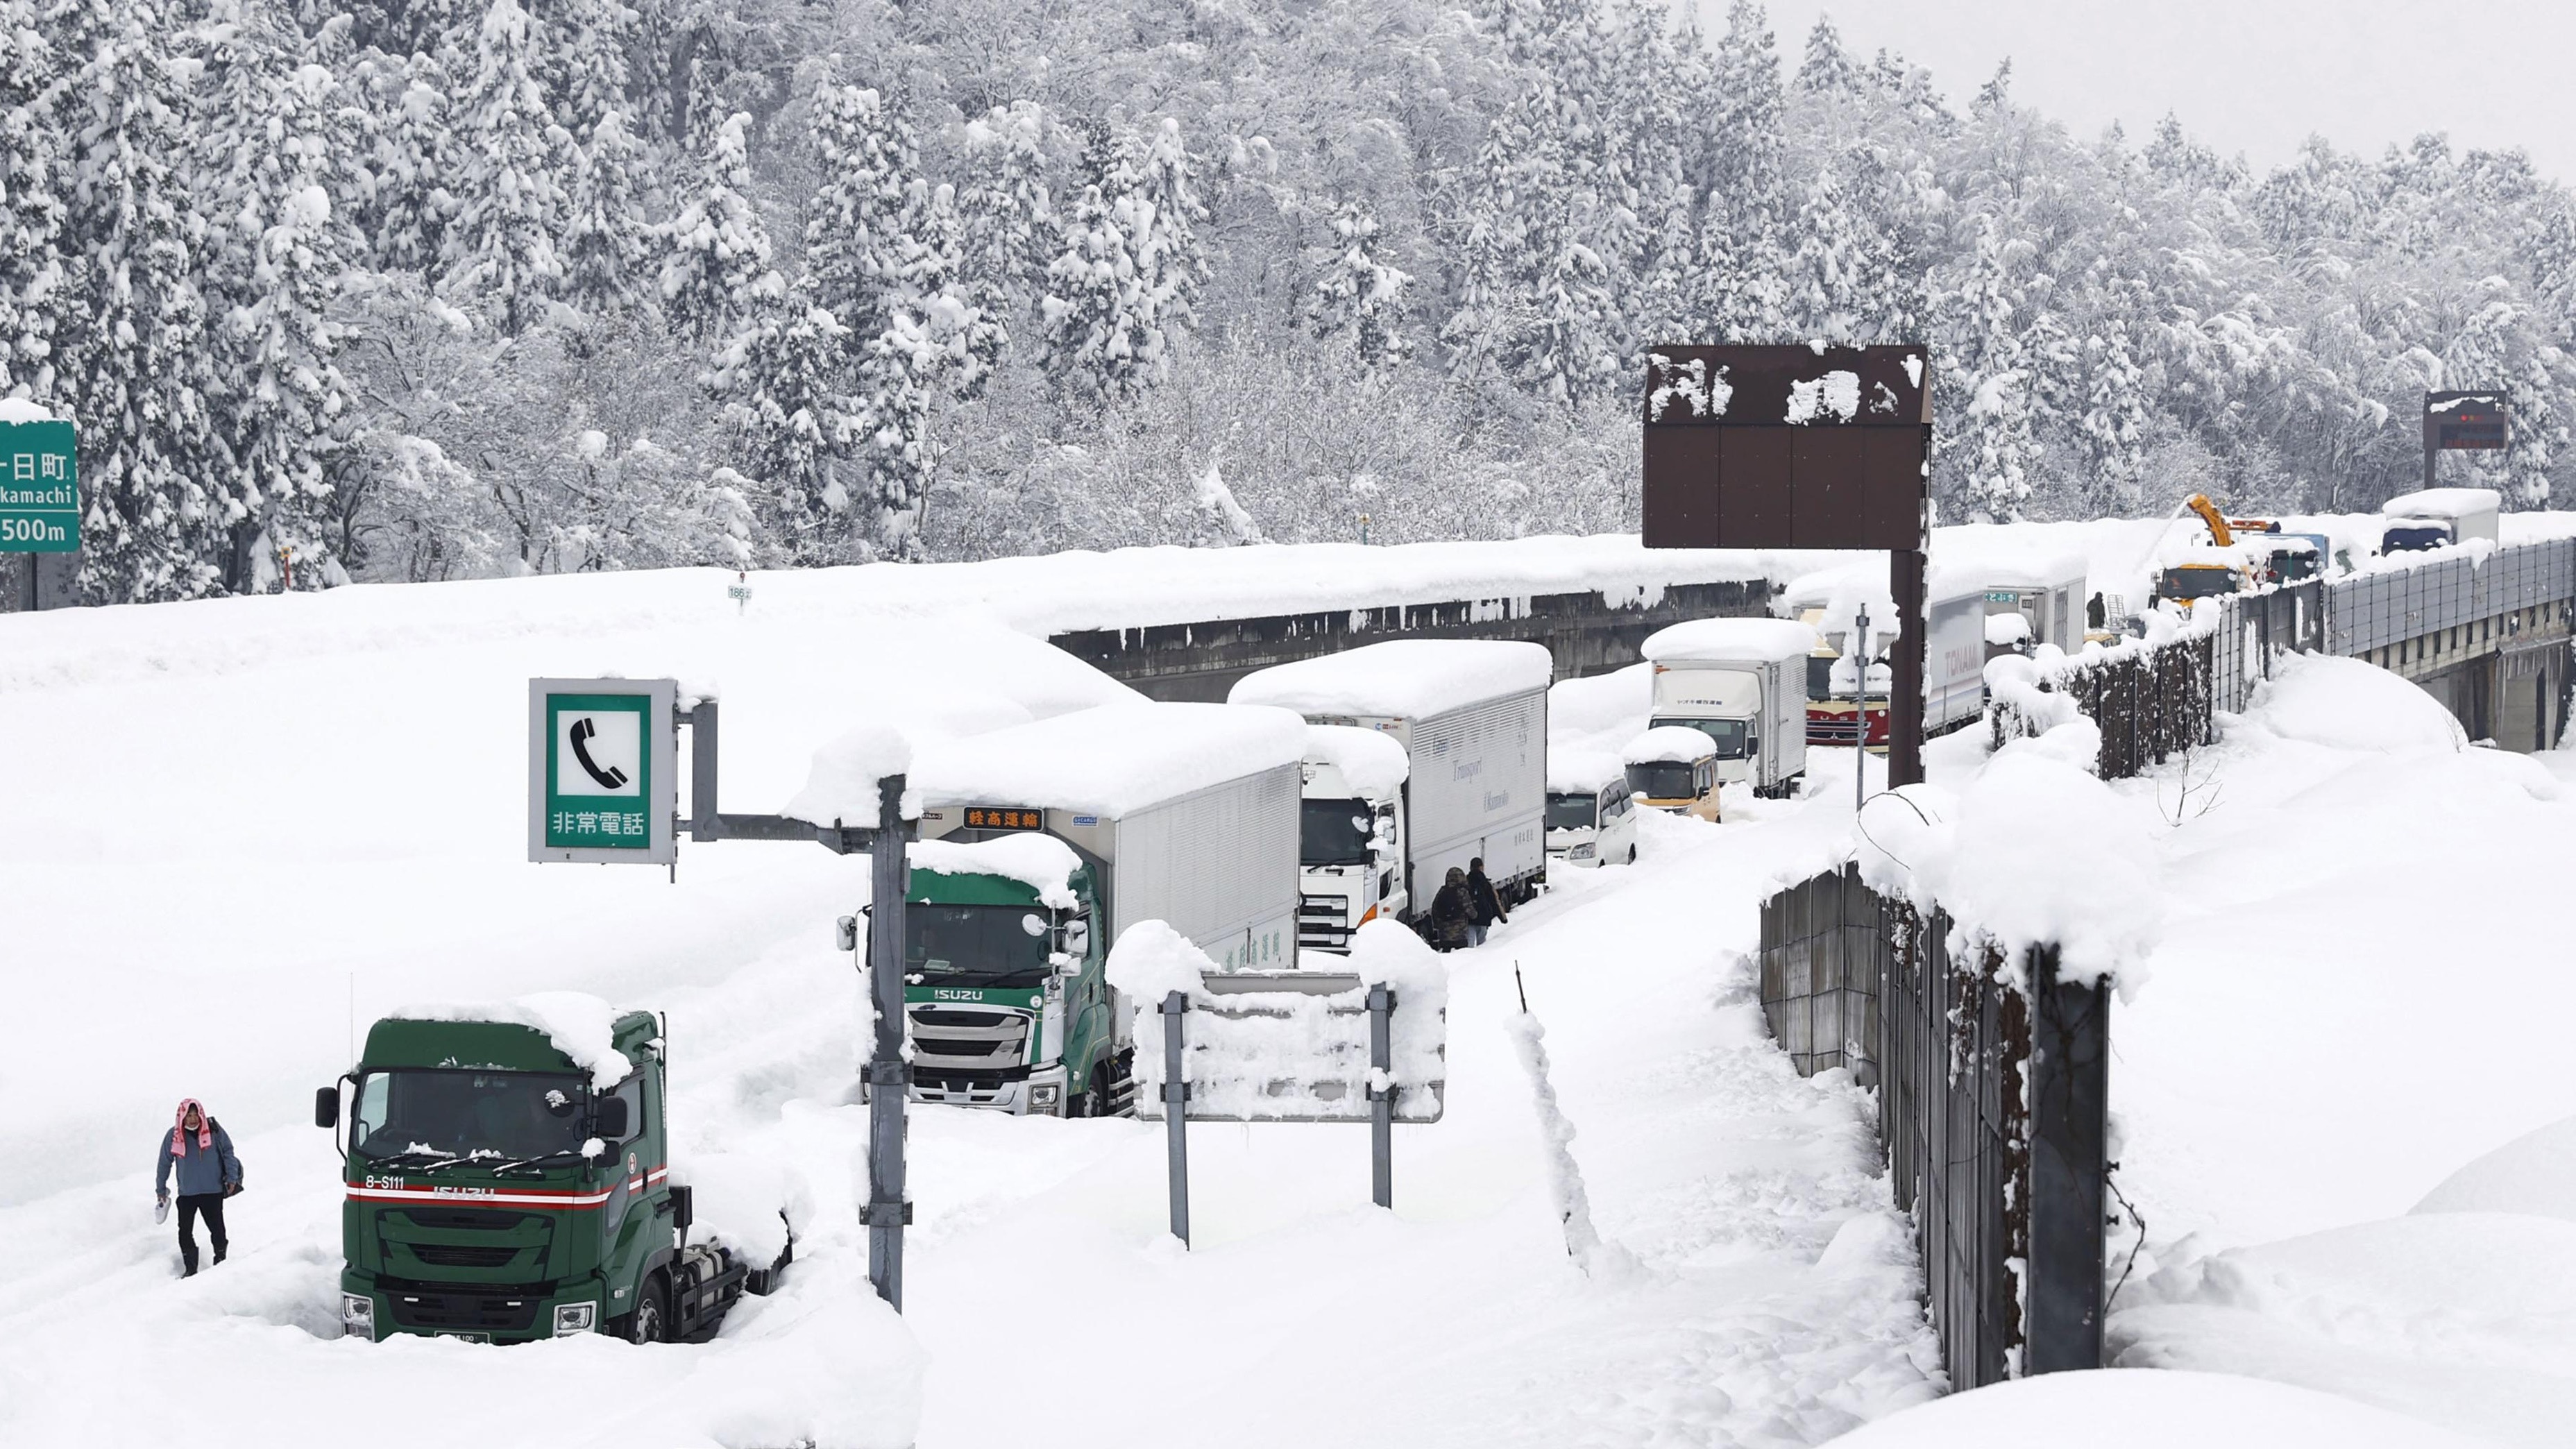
(608, 1117)
(684, 1208)
(847, 933)
(326, 1107)
(1077, 937)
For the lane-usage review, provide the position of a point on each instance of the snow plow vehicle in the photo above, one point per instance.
(508, 1182)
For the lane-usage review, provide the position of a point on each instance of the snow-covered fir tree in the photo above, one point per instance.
(1007, 214)
(1357, 296)
(716, 266)
(500, 253)
(607, 240)
(1127, 267)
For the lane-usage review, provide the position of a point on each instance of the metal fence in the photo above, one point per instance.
(2451, 589)
(1992, 1087)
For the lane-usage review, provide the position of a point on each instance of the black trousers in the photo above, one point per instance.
(191, 1204)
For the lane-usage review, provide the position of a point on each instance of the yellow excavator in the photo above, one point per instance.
(2206, 578)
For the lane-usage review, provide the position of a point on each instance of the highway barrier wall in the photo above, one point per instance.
(1992, 1080)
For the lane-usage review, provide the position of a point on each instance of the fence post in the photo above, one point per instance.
(2069, 1040)
(1176, 1115)
(1381, 1009)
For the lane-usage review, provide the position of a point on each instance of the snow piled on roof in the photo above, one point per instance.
(2442, 503)
(842, 784)
(1601, 701)
(1405, 678)
(1585, 772)
(2127, 1409)
(1041, 862)
(1372, 764)
(1668, 743)
(581, 1026)
(1113, 760)
(1709, 641)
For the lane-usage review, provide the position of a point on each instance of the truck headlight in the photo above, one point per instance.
(1579, 852)
(575, 1318)
(358, 1316)
(1044, 1095)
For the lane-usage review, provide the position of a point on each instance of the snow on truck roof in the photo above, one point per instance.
(1370, 763)
(1583, 772)
(581, 1026)
(1113, 760)
(1666, 743)
(1041, 862)
(1712, 640)
(1403, 678)
(2443, 503)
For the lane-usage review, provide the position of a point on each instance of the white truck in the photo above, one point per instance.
(1471, 715)
(2046, 593)
(2436, 517)
(1041, 843)
(1591, 814)
(1743, 683)
(1350, 834)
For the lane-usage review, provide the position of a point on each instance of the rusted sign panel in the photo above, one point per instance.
(1786, 447)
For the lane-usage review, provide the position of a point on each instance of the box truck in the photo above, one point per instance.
(1471, 715)
(1743, 683)
(1954, 688)
(1041, 842)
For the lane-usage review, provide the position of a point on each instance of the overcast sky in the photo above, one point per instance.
(2249, 76)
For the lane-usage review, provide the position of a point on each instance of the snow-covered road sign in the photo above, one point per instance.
(602, 770)
(39, 490)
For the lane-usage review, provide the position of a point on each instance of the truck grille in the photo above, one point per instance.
(1323, 922)
(944, 1037)
(449, 1255)
(470, 1310)
(471, 1219)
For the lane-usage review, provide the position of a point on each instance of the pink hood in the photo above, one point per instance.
(179, 1131)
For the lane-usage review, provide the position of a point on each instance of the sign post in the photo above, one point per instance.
(1801, 447)
(39, 489)
(2472, 421)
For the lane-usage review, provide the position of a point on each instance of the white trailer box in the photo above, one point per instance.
(1742, 682)
(2469, 513)
(1187, 811)
(2046, 591)
(1472, 717)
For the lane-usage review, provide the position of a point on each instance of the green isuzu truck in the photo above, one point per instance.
(499, 1189)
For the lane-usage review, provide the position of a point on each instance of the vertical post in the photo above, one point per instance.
(1381, 1010)
(2069, 1062)
(1176, 1114)
(889, 1077)
(1905, 568)
(703, 824)
(1859, 653)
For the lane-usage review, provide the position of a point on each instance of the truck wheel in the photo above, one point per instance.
(650, 1322)
(1632, 855)
(1093, 1100)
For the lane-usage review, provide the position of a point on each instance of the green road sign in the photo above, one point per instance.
(39, 491)
(602, 767)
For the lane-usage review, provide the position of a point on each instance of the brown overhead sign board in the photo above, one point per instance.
(2476, 421)
(1796, 446)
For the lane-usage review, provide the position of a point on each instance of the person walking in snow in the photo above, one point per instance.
(1484, 907)
(1449, 913)
(208, 1173)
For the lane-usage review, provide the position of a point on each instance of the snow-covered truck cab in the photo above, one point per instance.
(1742, 683)
(1041, 843)
(1674, 768)
(508, 1179)
(1471, 717)
(2439, 517)
(1350, 834)
(1591, 818)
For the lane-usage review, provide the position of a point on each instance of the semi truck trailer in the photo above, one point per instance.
(1471, 715)
(508, 1181)
(1041, 843)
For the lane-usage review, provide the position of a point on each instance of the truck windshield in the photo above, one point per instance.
(440, 1114)
(1333, 832)
(1728, 733)
(996, 945)
(1572, 812)
(1663, 780)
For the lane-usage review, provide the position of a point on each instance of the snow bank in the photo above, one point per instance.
(1729, 640)
(1583, 772)
(23, 410)
(1405, 678)
(581, 1026)
(1113, 760)
(2032, 850)
(1041, 862)
(2534, 1173)
(2348, 704)
(1150, 961)
(749, 1204)
(2127, 1409)
(842, 786)
(1370, 763)
(2005, 630)
(1666, 743)
(2457, 1319)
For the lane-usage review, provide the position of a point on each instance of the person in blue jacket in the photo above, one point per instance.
(208, 1173)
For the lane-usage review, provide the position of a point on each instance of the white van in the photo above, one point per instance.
(1590, 818)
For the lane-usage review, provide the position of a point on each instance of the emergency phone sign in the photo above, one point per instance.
(601, 767)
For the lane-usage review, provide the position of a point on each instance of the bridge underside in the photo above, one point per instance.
(1585, 632)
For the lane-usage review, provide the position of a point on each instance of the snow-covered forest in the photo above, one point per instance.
(443, 289)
